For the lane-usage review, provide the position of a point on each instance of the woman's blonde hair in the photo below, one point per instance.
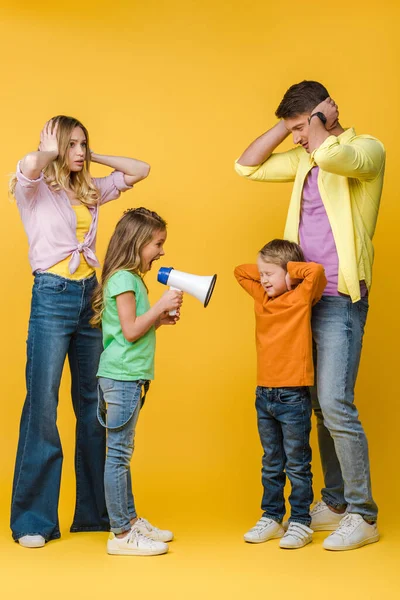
(133, 232)
(58, 175)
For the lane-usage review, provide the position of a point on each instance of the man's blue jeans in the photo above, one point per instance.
(59, 326)
(284, 425)
(338, 329)
(119, 407)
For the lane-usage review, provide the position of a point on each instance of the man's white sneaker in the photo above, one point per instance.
(265, 529)
(32, 541)
(136, 544)
(297, 536)
(323, 518)
(353, 532)
(147, 529)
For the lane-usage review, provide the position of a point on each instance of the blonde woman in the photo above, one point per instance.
(59, 205)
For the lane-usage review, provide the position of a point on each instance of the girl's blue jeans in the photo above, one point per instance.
(59, 327)
(118, 410)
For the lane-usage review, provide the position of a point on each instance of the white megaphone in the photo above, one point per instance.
(196, 285)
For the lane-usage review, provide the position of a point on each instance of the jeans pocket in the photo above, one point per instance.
(117, 403)
(293, 395)
(51, 284)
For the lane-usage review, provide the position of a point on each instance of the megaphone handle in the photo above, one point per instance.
(172, 313)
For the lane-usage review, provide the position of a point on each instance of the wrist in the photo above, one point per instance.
(317, 116)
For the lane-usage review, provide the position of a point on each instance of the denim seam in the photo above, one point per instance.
(359, 442)
(29, 396)
(77, 444)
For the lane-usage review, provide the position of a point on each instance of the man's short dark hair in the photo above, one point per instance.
(301, 98)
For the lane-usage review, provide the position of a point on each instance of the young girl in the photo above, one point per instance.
(126, 367)
(59, 204)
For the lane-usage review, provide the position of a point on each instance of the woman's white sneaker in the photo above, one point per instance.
(159, 535)
(297, 536)
(32, 541)
(353, 532)
(265, 529)
(135, 544)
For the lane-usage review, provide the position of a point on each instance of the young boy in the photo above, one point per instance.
(284, 288)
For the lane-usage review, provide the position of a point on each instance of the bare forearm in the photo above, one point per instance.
(143, 323)
(33, 163)
(128, 166)
(263, 146)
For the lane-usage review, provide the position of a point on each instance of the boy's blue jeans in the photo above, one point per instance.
(284, 425)
(59, 326)
(338, 329)
(118, 410)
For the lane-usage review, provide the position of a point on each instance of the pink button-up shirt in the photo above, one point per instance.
(50, 222)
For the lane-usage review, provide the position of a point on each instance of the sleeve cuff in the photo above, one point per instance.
(331, 140)
(119, 181)
(245, 170)
(23, 180)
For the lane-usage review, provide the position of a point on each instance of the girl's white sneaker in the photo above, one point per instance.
(297, 536)
(159, 535)
(135, 544)
(265, 529)
(32, 541)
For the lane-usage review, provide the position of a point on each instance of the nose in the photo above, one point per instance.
(296, 137)
(162, 252)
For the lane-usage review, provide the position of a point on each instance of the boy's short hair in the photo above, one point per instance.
(280, 252)
(301, 98)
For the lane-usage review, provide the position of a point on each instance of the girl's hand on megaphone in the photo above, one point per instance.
(172, 300)
(167, 319)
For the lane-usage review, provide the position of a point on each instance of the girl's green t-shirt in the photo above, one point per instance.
(120, 359)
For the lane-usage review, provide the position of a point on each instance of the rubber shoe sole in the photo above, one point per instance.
(135, 552)
(370, 540)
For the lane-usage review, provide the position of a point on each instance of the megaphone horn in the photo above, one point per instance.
(201, 287)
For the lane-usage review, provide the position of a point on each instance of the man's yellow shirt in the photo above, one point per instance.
(350, 182)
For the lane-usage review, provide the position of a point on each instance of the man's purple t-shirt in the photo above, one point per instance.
(316, 237)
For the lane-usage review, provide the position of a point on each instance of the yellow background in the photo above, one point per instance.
(186, 86)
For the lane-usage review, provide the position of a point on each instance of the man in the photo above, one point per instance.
(338, 179)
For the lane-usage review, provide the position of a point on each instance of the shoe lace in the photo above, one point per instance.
(135, 536)
(297, 530)
(346, 525)
(318, 506)
(148, 525)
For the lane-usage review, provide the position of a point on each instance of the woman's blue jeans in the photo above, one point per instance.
(119, 407)
(59, 326)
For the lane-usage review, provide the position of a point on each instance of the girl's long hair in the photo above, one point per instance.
(133, 232)
(58, 175)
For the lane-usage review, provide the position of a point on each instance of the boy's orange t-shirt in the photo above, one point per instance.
(283, 325)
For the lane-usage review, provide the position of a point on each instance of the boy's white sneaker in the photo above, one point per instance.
(297, 536)
(353, 532)
(32, 541)
(135, 544)
(159, 535)
(265, 529)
